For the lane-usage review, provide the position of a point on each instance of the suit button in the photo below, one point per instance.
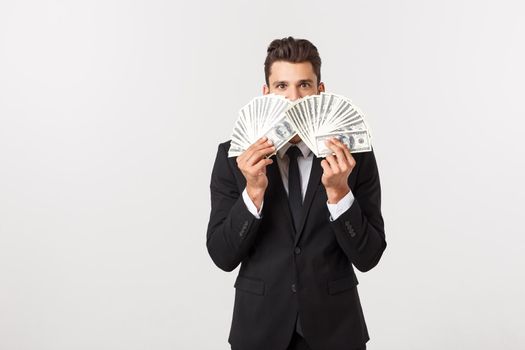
(297, 250)
(350, 229)
(294, 288)
(243, 229)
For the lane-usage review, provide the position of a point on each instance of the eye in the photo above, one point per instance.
(305, 85)
(281, 86)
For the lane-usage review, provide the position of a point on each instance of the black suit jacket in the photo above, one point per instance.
(283, 273)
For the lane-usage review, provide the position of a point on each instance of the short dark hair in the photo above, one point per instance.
(292, 50)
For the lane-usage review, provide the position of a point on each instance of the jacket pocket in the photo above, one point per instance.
(250, 285)
(342, 284)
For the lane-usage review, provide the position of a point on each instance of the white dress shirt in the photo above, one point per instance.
(304, 163)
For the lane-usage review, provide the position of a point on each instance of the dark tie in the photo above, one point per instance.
(295, 198)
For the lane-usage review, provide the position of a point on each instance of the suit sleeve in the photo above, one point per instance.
(360, 230)
(232, 229)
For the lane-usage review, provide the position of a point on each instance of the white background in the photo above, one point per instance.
(110, 117)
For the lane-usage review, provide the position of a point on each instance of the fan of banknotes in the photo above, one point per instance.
(314, 118)
(262, 116)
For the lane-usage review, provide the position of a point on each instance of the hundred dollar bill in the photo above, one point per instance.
(280, 133)
(356, 141)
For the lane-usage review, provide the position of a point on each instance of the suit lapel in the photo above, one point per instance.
(313, 184)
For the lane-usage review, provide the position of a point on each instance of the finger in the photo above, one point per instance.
(337, 147)
(259, 154)
(332, 162)
(260, 144)
(350, 161)
(340, 144)
(261, 165)
(349, 157)
(260, 141)
(348, 154)
(326, 168)
(257, 144)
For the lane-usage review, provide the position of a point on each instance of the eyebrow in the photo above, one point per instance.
(300, 82)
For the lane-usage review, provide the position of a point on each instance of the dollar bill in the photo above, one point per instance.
(356, 141)
(281, 133)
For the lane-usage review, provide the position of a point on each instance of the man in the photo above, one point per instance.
(296, 224)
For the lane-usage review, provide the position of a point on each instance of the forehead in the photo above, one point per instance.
(287, 71)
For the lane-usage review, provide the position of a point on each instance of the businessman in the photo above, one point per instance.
(297, 225)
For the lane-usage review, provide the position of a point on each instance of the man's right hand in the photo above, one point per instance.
(252, 164)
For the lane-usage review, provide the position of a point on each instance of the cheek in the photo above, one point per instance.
(281, 92)
(309, 91)
(305, 93)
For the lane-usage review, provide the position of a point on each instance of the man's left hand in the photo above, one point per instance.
(336, 169)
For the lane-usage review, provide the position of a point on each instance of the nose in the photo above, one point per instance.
(294, 94)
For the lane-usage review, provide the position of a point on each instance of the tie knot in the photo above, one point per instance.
(293, 152)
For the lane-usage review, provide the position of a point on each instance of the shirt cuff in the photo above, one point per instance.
(249, 204)
(340, 207)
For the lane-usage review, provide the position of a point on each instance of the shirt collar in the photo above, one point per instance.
(301, 145)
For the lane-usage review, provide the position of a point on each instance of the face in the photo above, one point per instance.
(292, 80)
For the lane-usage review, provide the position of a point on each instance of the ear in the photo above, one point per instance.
(321, 87)
(266, 90)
